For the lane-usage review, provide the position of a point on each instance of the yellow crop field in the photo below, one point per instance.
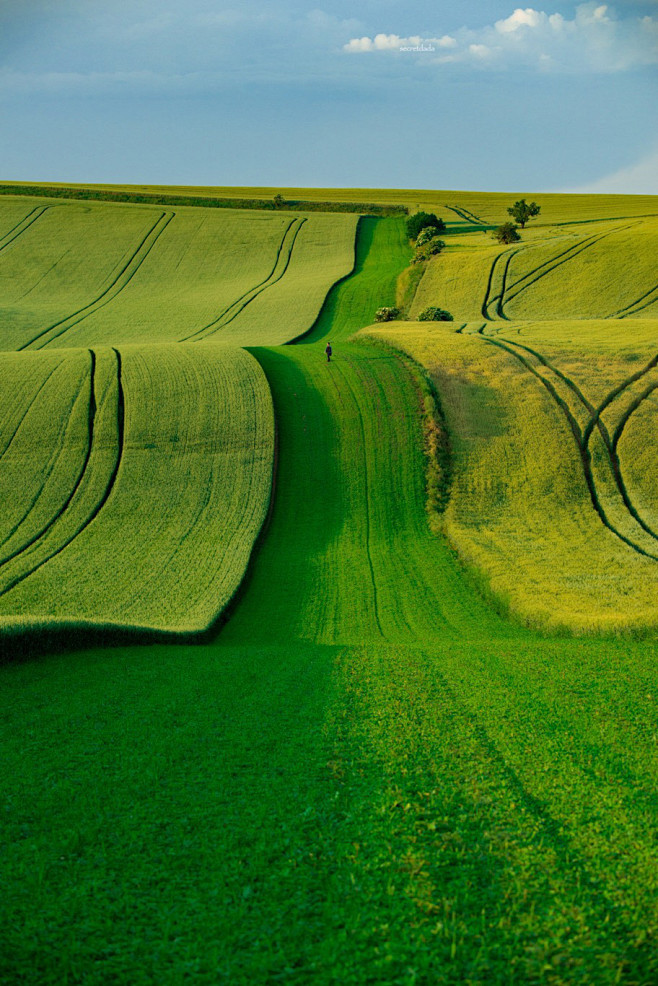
(99, 274)
(553, 494)
(597, 270)
(134, 482)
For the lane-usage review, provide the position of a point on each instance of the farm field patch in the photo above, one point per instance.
(103, 274)
(601, 270)
(544, 499)
(134, 482)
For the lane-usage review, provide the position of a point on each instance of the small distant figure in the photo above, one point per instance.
(328, 350)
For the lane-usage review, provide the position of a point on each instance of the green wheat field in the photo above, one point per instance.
(327, 673)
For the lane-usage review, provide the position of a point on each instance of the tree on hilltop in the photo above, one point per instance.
(522, 211)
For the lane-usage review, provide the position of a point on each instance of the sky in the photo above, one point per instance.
(384, 93)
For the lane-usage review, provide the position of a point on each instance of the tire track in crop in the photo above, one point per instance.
(548, 266)
(489, 299)
(284, 251)
(485, 304)
(635, 306)
(503, 287)
(583, 448)
(91, 418)
(109, 486)
(595, 421)
(465, 214)
(121, 281)
(22, 226)
(367, 487)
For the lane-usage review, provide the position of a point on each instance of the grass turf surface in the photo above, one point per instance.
(368, 777)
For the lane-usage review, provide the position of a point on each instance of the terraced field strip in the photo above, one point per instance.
(156, 503)
(382, 252)
(53, 332)
(107, 275)
(345, 515)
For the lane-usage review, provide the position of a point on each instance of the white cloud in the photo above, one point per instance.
(595, 40)
(529, 17)
(393, 42)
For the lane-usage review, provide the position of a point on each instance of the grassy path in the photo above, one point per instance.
(368, 777)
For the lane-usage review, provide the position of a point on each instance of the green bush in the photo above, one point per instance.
(435, 315)
(386, 314)
(507, 233)
(423, 220)
(429, 248)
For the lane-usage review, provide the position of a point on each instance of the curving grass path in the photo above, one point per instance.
(367, 777)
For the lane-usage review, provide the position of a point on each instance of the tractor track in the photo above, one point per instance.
(222, 320)
(557, 261)
(595, 421)
(22, 226)
(121, 281)
(583, 448)
(91, 418)
(635, 306)
(465, 214)
(109, 486)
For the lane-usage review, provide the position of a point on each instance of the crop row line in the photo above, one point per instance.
(108, 487)
(122, 279)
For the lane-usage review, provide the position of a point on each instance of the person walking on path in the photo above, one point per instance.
(328, 350)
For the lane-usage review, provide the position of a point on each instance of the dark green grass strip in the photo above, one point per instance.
(382, 252)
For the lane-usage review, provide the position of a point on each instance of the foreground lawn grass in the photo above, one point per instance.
(134, 483)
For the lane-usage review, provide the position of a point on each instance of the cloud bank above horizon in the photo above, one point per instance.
(593, 40)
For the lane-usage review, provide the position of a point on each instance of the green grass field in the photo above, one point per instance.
(134, 483)
(370, 774)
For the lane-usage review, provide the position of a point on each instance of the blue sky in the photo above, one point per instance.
(395, 93)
